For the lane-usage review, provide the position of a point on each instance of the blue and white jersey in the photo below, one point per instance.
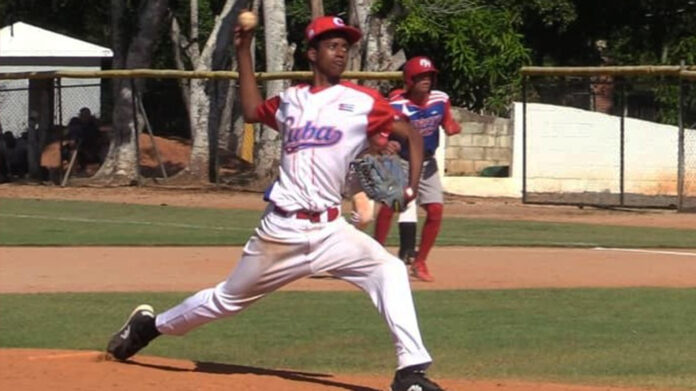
(426, 118)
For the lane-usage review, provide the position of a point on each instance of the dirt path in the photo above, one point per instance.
(110, 269)
(61, 370)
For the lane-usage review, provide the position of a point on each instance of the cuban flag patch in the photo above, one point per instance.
(346, 107)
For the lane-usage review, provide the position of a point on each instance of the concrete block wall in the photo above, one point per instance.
(484, 141)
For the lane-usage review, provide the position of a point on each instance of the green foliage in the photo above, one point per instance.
(667, 99)
(299, 15)
(181, 10)
(556, 14)
(477, 49)
(478, 44)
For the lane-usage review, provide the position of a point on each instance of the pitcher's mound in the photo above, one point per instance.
(56, 370)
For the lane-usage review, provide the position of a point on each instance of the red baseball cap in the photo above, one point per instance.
(417, 66)
(324, 24)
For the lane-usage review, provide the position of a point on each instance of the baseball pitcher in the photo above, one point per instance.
(323, 126)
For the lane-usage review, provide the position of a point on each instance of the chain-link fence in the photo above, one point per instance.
(594, 139)
(14, 106)
(609, 140)
(214, 146)
(687, 184)
(42, 121)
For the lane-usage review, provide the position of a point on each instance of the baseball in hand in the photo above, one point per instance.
(247, 20)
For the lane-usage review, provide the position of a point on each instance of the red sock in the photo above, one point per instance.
(430, 230)
(382, 224)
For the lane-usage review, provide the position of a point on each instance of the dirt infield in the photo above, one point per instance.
(62, 370)
(33, 269)
(166, 269)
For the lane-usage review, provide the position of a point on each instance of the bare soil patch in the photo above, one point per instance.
(62, 370)
(166, 269)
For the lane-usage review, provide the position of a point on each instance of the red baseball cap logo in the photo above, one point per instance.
(324, 24)
(417, 66)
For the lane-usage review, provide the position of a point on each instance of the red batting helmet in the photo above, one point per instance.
(324, 24)
(417, 66)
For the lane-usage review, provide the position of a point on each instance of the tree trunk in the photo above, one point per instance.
(207, 98)
(358, 15)
(277, 59)
(225, 131)
(317, 7)
(121, 164)
(374, 52)
(180, 44)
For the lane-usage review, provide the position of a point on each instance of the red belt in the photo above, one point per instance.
(315, 217)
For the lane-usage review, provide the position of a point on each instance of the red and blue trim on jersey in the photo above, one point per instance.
(367, 112)
(426, 118)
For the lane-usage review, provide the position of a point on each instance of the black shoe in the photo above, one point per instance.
(138, 331)
(408, 256)
(408, 379)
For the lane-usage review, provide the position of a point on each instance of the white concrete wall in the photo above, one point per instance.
(571, 150)
(690, 163)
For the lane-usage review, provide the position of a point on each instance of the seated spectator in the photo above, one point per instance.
(9, 139)
(5, 145)
(19, 155)
(84, 131)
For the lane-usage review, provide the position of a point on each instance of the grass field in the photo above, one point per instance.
(600, 336)
(639, 336)
(76, 223)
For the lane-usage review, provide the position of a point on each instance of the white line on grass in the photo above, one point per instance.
(635, 250)
(461, 239)
(134, 222)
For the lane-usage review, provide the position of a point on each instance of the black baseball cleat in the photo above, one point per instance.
(135, 334)
(413, 379)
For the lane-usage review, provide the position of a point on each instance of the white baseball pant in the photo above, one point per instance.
(285, 249)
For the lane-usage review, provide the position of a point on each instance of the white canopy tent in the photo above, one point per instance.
(27, 48)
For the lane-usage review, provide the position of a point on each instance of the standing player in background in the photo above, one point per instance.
(323, 127)
(427, 110)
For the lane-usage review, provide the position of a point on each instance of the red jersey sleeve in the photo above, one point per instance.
(266, 112)
(397, 93)
(448, 123)
(381, 117)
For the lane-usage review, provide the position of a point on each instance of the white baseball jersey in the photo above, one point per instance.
(323, 130)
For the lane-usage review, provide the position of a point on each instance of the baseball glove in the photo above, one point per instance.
(382, 179)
